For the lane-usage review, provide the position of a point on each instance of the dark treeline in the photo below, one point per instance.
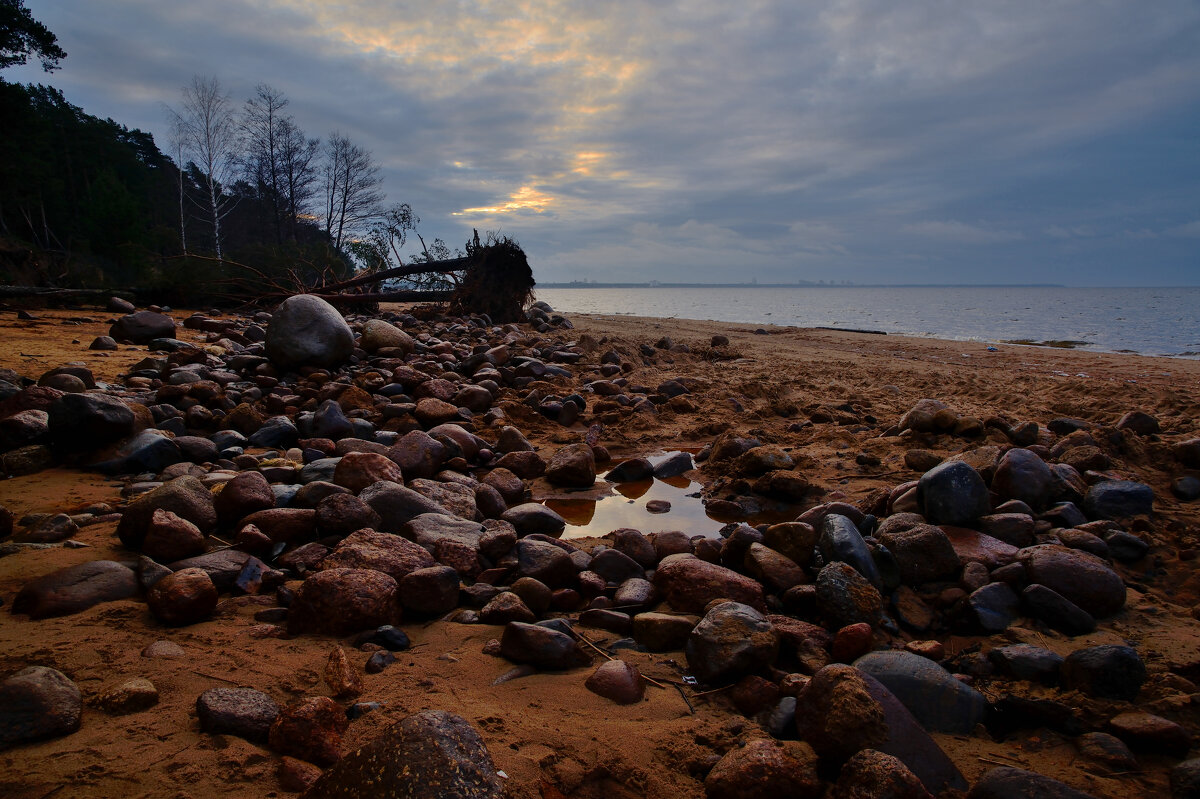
(244, 204)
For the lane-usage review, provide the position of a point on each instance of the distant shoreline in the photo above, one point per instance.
(801, 285)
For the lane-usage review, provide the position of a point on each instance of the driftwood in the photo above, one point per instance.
(50, 293)
(493, 279)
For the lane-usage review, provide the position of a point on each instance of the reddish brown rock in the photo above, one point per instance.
(284, 524)
(384, 552)
(183, 597)
(871, 774)
(185, 496)
(244, 494)
(341, 677)
(170, 538)
(689, 584)
(573, 466)
(296, 775)
(765, 769)
(344, 601)
(837, 715)
(75, 588)
(357, 470)
(310, 729)
(618, 681)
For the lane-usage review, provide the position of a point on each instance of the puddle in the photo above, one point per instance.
(627, 507)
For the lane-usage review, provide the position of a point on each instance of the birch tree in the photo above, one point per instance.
(298, 170)
(212, 138)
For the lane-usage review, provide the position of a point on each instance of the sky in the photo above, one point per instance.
(870, 141)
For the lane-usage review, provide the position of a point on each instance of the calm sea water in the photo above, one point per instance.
(1149, 321)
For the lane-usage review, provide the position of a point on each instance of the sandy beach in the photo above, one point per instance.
(832, 399)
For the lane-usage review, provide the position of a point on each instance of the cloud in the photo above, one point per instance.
(841, 137)
(1190, 230)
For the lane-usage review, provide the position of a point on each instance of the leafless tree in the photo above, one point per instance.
(352, 193)
(178, 139)
(298, 169)
(260, 124)
(211, 135)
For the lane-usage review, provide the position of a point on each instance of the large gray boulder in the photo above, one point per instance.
(939, 701)
(307, 331)
(38, 702)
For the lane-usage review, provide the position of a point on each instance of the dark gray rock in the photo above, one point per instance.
(1118, 499)
(995, 606)
(278, 431)
(1023, 475)
(1109, 671)
(1081, 578)
(430, 528)
(541, 646)
(1005, 782)
(88, 421)
(841, 541)
(243, 712)
(1057, 611)
(923, 553)
(38, 702)
(307, 331)
(939, 701)
(674, 465)
(397, 505)
(142, 327)
(1027, 662)
(533, 517)
(845, 597)
(953, 493)
(432, 591)
(544, 562)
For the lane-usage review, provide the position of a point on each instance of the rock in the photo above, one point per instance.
(841, 541)
(635, 545)
(1139, 422)
(38, 702)
(732, 640)
(618, 681)
(131, 696)
(837, 715)
(764, 769)
(845, 597)
(689, 584)
(185, 496)
(526, 465)
(1185, 780)
(397, 505)
(244, 712)
(1005, 782)
(431, 412)
(428, 755)
(103, 343)
(343, 601)
(1106, 750)
(663, 632)
(49, 530)
(142, 327)
(297, 776)
(358, 470)
(75, 588)
(390, 554)
(975, 547)
(89, 421)
(673, 465)
(921, 417)
(310, 729)
(378, 334)
(505, 607)
(573, 466)
(342, 514)
(183, 597)
(630, 471)
(429, 529)
(937, 700)
(278, 431)
(794, 540)
(995, 606)
(1011, 528)
(953, 493)
(1188, 452)
(223, 566)
(1109, 671)
(432, 591)
(851, 643)
(307, 331)
(23, 428)
(246, 493)
(1081, 578)
(1146, 732)
(170, 538)
(283, 524)
(1126, 547)
(1057, 611)
(340, 676)
(1118, 499)
(544, 562)
(147, 451)
(615, 566)
(773, 569)
(540, 646)
(1023, 475)
(1027, 662)
(871, 774)
(923, 553)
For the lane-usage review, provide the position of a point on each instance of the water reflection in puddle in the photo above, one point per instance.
(627, 507)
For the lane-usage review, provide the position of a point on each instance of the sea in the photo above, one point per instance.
(1147, 321)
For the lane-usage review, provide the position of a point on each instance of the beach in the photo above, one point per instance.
(832, 400)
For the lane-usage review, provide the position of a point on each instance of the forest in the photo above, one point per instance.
(243, 196)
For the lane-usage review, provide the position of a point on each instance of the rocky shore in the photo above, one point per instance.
(264, 554)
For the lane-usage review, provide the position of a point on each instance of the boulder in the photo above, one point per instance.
(1108, 671)
(841, 541)
(1118, 499)
(923, 553)
(310, 729)
(953, 493)
(383, 552)
(533, 517)
(246, 493)
(689, 584)
(543, 647)
(244, 712)
(1080, 577)
(185, 496)
(307, 331)
(344, 601)
(1023, 475)
(1006, 782)
(183, 597)
(871, 774)
(845, 597)
(573, 466)
(939, 702)
(142, 327)
(89, 421)
(618, 681)
(428, 755)
(765, 769)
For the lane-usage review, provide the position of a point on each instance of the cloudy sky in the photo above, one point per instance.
(929, 141)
